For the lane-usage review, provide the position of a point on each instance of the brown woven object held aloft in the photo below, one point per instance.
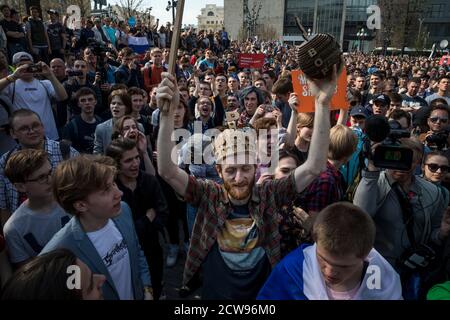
(317, 55)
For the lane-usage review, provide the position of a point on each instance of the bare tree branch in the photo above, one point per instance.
(129, 8)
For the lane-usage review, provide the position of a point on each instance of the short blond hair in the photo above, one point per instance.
(343, 142)
(75, 179)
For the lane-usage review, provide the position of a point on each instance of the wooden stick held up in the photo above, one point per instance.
(174, 46)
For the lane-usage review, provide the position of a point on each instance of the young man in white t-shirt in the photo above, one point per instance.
(39, 217)
(26, 91)
(102, 233)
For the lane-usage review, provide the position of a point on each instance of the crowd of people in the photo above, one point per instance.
(111, 166)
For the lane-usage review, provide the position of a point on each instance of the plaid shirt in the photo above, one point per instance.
(327, 188)
(9, 197)
(244, 119)
(214, 207)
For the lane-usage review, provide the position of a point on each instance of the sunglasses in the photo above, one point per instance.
(435, 119)
(434, 167)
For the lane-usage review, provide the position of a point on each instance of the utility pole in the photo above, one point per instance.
(406, 27)
(419, 35)
(172, 5)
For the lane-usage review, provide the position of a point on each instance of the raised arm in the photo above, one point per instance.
(60, 91)
(343, 117)
(323, 90)
(168, 93)
(291, 132)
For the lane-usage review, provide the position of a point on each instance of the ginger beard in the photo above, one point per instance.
(239, 191)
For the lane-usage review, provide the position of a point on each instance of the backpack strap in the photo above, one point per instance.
(5, 106)
(14, 93)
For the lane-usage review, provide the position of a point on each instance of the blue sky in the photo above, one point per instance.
(191, 9)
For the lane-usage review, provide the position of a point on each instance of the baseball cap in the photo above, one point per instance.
(21, 56)
(384, 99)
(52, 11)
(359, 111)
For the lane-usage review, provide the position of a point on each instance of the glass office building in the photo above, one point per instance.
(326, 16)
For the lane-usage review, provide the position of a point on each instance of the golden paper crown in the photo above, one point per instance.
(235, 146)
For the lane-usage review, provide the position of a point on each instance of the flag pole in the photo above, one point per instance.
(174, 45)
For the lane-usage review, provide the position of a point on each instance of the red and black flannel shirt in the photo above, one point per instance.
(244, 119)
(214, 207)
(327, 188)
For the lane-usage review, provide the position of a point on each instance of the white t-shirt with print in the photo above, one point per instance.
(35, 95)
(113, 250)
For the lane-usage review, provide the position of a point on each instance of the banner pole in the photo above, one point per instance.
(174, 45)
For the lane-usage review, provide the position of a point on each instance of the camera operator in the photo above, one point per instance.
(26, 91)
(128, 72)
(403, 118)
(407, 210)
(76, 80)
(437, 138)
(91, 62)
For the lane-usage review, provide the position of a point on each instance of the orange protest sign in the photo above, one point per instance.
(306, 104)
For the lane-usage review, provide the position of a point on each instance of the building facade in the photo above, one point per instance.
(343, 19)
(271, 15)
(436, 21)
(211, 18)
(346, 20)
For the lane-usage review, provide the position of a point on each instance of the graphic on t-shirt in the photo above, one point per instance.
(238, 235)
(117, 253)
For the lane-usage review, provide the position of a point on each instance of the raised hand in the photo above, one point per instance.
(167, 94)
(46, 71)
(324, 89)
(141, 143)
(293, 102)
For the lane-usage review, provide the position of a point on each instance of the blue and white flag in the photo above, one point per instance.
(138, 44)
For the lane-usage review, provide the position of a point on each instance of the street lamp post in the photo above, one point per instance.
(362, 34)
(172, 4)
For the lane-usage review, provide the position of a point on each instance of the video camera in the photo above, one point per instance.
(99, 50)
(74, 73)
(437, 141)
(389, 155)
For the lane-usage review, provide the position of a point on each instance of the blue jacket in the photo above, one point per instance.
(74, 238)
(298, 277)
